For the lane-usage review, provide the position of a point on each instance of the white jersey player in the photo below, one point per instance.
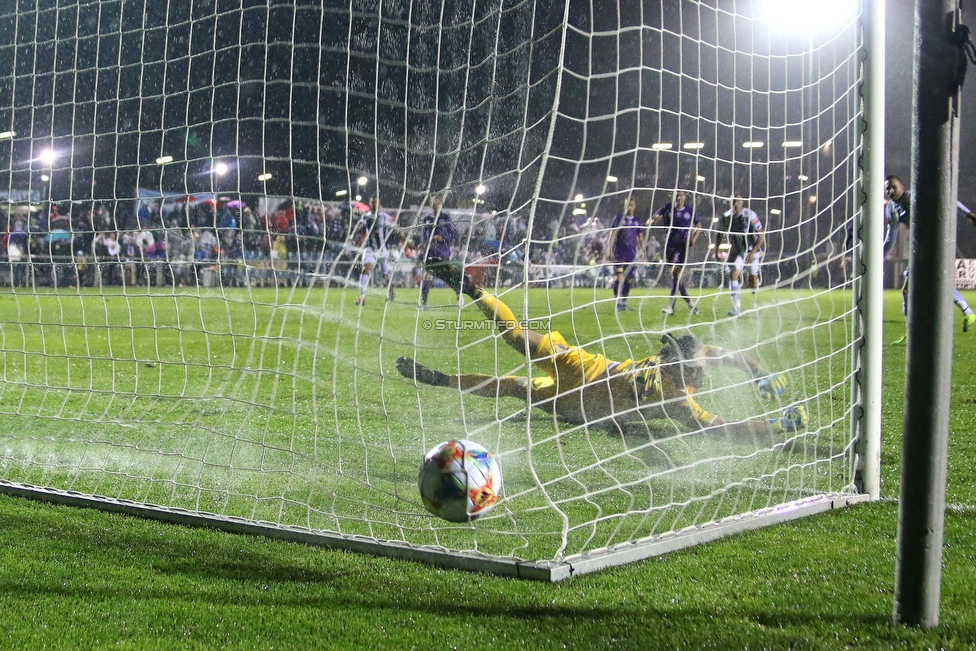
(370, 235)
(744, 231)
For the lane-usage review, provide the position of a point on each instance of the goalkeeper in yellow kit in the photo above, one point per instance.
(583, 387)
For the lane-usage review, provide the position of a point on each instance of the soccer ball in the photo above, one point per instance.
(459, 481)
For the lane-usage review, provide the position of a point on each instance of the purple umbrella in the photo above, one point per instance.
(236, 204)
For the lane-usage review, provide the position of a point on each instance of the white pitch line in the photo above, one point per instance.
(955, 508)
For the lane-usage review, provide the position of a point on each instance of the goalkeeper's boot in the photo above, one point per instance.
(410, 369)
(968, 321)
(453, 275)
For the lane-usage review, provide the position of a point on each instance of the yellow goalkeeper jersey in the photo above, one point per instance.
(586, 387)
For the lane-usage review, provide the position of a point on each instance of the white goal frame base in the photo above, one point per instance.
(550, 571)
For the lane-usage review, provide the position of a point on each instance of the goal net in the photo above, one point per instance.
(193, 327)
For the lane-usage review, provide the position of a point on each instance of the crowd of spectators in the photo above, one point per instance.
(228, 243)
(203, 243)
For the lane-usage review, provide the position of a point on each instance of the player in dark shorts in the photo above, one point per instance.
(898, 212)
(626, 239)
(439, 233)
(684, 227)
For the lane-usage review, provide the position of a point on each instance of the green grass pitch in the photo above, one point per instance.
(72, 578)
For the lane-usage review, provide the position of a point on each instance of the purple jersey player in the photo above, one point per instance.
(684, 227)
(439, 232)
(626, 238)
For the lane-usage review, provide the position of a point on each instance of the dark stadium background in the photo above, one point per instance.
(109, 165)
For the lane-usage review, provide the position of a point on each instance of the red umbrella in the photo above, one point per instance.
(360, 206)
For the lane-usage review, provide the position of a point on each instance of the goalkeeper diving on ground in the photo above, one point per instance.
(584, 387)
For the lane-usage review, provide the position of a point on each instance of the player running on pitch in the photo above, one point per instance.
(439, 233)
(369, 236)
(744, 232)
(583, 387)
(684, 227)
(626, 239)
(898, 212)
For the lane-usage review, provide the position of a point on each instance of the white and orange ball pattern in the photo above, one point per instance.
(459, 481)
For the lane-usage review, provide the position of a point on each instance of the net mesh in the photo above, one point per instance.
(186, 185)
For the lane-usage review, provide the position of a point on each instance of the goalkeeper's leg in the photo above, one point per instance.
(454, 276)
(522, 340)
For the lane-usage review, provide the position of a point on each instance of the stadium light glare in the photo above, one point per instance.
(803, 177)
(342, 193)
(787, 144)
(799, 16)
(6, 135)
(611, 179)
(700, 179)
(662, 146)
(264, 177)
(220, 168)
(162, 160)
(362, 180)
(813, 198)
(579, 211)
(578, 197)
(775, 211)
(48, 157)
(753, 144)
(693, 145)
(480, 189)
(45, 178)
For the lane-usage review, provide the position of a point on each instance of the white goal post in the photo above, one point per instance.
(193, 329)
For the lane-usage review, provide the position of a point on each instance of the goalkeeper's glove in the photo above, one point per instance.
(794, 418)
(771, 385)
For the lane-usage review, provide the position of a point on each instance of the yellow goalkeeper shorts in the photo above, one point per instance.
(566, 367)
